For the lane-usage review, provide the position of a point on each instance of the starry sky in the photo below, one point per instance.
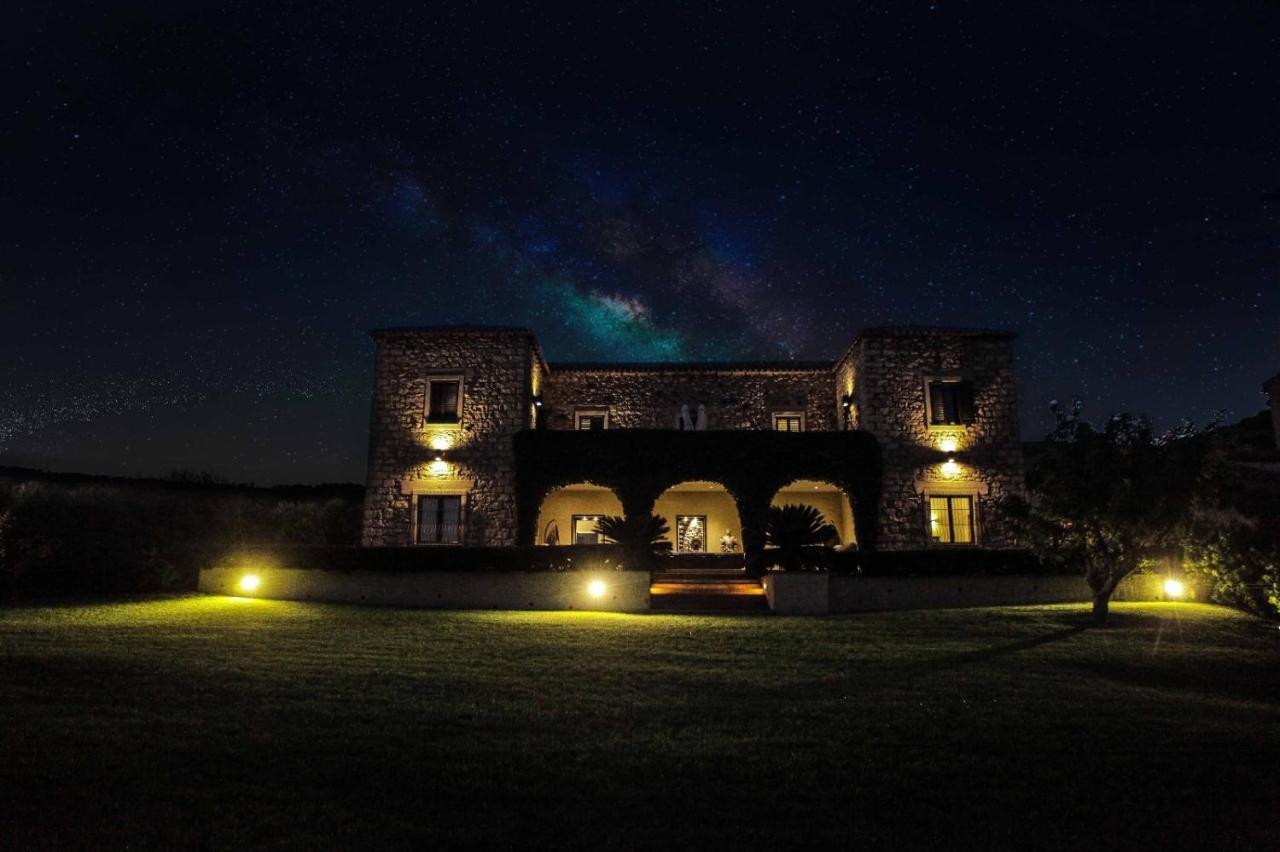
(206, 206)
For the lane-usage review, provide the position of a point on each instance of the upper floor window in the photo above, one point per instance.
(949, 402)
(788, 421)
(591, 420)
(694, 420)
(444, 399)
(951, 519)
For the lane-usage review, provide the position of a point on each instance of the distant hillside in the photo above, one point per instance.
(189, 482)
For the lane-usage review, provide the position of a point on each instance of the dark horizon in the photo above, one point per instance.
(208, 207)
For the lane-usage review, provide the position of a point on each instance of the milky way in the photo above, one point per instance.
(206, 208)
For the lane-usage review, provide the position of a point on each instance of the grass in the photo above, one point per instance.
(226, 722)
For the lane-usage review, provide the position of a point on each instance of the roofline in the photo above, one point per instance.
(447, 329)
(1274, 380)
(923, 331)
(379, 333)
(693, 366)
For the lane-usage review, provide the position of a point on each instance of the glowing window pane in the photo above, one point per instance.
(584, 529)
(962, 520)
(939, 520)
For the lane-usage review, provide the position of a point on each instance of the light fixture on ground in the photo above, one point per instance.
(1173, 588)
(250, 583)
(596, 588)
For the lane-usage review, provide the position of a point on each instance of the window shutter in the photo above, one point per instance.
(964, 402)
(937, 402)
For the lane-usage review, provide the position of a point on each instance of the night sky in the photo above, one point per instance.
(205, 208)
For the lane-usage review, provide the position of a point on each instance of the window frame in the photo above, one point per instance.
(579, 413)
(789, 415)
(948, 379)
(702, 519)
(573, 529)
(443, 378)
(417, 516)
(929, 497)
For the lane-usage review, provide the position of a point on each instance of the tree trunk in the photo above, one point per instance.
(1101, 605)
(1102, 598)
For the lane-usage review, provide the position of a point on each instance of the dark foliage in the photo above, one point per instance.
(1109, 500)
(933, 563)
(1232, 544)
(640, 537)
(573, 557)
(793, 528)
(60, 536)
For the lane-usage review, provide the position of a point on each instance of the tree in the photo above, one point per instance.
(639, 536)
(1109, 500)
(793, 527)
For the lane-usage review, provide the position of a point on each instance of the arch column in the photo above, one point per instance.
(753, 512)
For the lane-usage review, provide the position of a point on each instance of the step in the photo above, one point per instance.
(702, 577)
(723, 588)
(690, 604)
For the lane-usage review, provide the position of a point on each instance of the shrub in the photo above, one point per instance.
(640, 537)
(793, 528)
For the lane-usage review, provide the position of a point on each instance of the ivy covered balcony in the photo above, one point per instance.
(638, 466)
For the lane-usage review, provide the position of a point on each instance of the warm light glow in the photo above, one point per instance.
(441, 441)
(948, 445)
(438, 467)
(596, 588)
(250, 583)
(950, 468)
(1173, 588)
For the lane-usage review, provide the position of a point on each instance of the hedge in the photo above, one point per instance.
(926, 563)
(575, 557)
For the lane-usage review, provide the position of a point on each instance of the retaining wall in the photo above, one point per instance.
(625, 591)
(809, 593)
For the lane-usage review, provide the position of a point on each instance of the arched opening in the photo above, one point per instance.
(703, 518)
(831, 501)
(568, 515)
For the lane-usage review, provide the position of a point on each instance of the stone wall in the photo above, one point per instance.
(891, 367)
(620, 591)
(504, 376)
(650, 398)
(476, 454)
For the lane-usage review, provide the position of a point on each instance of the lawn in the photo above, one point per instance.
(225, 722)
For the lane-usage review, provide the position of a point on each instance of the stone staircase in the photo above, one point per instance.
(711, 590)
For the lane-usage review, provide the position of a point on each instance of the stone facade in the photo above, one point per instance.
(982, 459)
(877, 386)
(409, 457)
(640, 396)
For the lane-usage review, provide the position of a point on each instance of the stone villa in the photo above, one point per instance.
(905, 441)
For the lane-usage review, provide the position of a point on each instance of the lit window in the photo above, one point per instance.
(788, 421)
(584, 530)
(950, 402)
(440, 519)
(591, 421)
(444, 400)
(951, 519)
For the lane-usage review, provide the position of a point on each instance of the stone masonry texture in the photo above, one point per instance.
(876, 385)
